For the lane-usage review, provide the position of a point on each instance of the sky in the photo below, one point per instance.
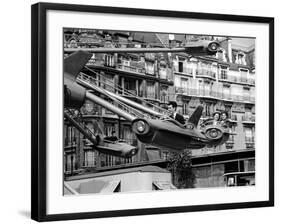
(243, 42)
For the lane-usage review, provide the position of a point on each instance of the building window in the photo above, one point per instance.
(246, 94)
(162, 73)
(226, 92)
(90, 158)
(70, 162)
(149, 68)
(164, 94)
(109, 82)
(213, 71)
(128, 135)
(109, 129)
(185, 108)
(150, 90)
(130, 85)
(70, 136)
(249, 136)
(232, 130)
(208, 110)
(201, 88)
(240, 58)
(184, 83)
(108, 60)
(237, 92)
(251, 165)
(243, 75)
(189, 68)
(205, 69)
(199, 70)
(181, 65)
(177, 81)
(207, 88)
(223, 72)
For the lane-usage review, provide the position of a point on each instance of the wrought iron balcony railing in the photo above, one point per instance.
(248, 118)
(130, 68)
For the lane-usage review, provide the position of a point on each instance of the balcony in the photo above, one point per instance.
(130, 92)
(249, 99)
(151, 95)
(236, 79)
(233, 119)
(230, 142)
(248, 119)
(243, 98)
(95, 62)
(187, 91)
(131, 68)
(149, 56)
(198, 92)
(210, 94)
(205, 73)
(185, 71)
(246, 80)
(214, 94)
(227, 78)
(239, 98)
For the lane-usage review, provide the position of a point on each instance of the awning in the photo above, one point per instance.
(110, 187)
(163, 185)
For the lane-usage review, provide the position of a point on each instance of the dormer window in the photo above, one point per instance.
(221, 55)
(180, 65)
(240, 58)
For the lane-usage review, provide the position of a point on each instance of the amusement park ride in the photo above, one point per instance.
(146, 123)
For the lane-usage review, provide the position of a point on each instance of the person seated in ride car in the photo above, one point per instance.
(216, 118)
(224, 121)
(172, 109)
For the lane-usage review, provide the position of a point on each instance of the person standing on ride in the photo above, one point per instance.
(172, 108)
(216, 118)
(224, 122)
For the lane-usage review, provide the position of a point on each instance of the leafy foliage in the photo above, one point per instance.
(179, 164)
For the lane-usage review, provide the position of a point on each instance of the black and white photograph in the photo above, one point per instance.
(148, 111)
(142, 112)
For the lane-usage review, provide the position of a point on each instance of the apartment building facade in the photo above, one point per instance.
(225, 82)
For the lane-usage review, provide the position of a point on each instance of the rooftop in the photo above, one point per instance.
(120, 171)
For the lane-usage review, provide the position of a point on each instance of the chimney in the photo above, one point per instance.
(229, 50)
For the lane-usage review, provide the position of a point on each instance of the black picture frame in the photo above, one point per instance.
(39, 114)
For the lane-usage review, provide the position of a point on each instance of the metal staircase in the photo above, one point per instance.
(135, 109)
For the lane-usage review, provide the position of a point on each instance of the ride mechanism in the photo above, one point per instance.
(146, 123)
